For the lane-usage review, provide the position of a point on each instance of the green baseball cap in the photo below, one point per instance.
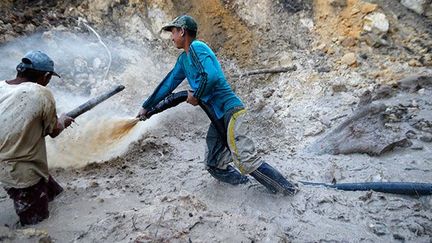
(183, 21)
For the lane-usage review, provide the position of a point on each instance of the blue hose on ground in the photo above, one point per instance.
(405, 188)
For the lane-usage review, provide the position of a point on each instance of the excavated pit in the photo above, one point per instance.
(146, 182)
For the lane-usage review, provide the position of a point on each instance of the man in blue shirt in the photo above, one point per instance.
(226, 139)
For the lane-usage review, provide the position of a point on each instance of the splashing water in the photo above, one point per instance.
(84, 22)
(98, 140)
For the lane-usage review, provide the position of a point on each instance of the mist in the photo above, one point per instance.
(88, 68)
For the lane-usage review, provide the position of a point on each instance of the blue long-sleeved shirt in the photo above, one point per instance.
(205, 77)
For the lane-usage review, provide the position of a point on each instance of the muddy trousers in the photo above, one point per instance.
(227, 141)
(31, 203)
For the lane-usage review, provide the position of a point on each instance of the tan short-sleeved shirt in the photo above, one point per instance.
(27, 115)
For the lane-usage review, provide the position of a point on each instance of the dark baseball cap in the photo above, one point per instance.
(39, 61)
(183, 21)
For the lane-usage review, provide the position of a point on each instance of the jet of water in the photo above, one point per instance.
(84, 22)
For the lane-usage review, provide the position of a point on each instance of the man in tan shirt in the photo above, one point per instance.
(28, 114)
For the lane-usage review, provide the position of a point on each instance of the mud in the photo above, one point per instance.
(152, 186)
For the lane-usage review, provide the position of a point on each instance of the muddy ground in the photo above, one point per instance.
(147, 183)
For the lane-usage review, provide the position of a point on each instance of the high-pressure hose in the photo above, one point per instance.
(405, 188)
(94, 102)
(176, 98)
(170, 101)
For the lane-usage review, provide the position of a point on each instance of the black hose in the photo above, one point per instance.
(170, 101)
(94, 102)
(175, 99)
(405, 188)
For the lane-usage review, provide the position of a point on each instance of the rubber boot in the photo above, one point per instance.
(273, 180)
(229, 175)
(53, 188)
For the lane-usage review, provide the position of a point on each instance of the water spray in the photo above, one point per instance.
(84, 22)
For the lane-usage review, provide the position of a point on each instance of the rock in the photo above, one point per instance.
(46, 239)
(7, 38)
(414, 63)
(268, 93)
(365, 98)
(325, 121)
(428, 11)
(404, 143)
(308, 23)
(376, 21)
(277, 108)
(411, 134)
(392, 118)
(339, 88)
(392, 127)
(416, 146)
(32, 232)
(6, 234)
(349, 42)
(422, 125)
(47, 36)
(94, 184)
(82, 78)
(338, 3)
(398, 237)
(30, 28)
(138, 25)
(426, 138)
(321, 46)
(19, 28)
(349, 59)
(415, 83)
(426, 59)
(267, 112)
(314, 130)
(417, 6)
(362, 132)
(97, 63)
(329, 50)
(8, 27)
(375, 39)
(61, 28)
(368, 8)
(383, 92)
(378, 228)
(324, 69)
(80, 65)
